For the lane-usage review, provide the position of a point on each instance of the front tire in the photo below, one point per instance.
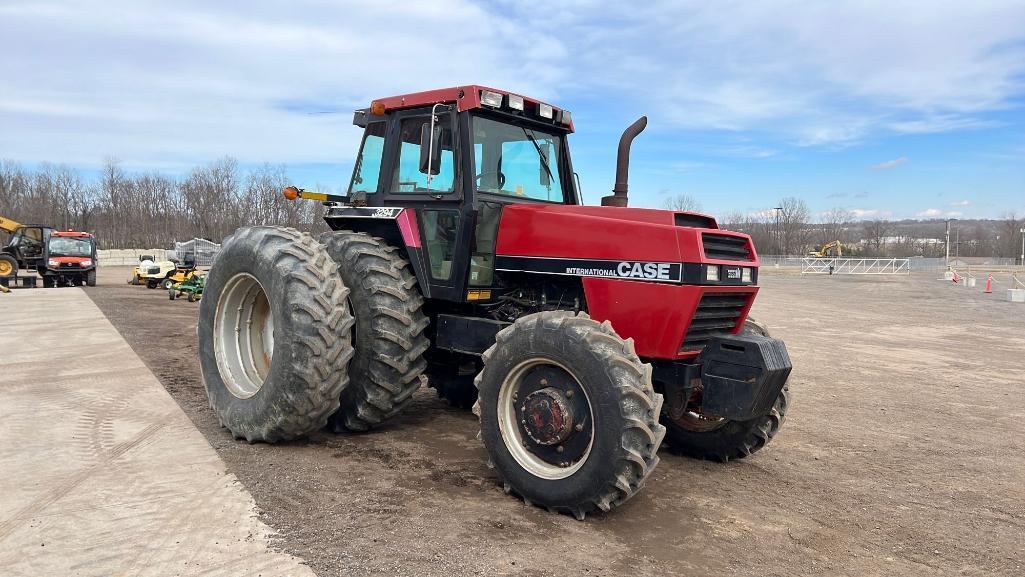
(568, 414)
(90, 278)
(389, 331)
(274, 334)
(8, 266)
(723, 440)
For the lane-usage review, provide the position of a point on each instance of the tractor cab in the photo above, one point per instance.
(457, 156)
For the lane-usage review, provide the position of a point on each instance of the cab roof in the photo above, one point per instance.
(467, 98)
(71, 234)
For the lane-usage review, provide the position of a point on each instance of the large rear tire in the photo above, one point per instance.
(389, 330)
(274, 334)
(721, 439)
(568, 413)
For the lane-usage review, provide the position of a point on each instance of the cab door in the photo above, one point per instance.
(436, 194)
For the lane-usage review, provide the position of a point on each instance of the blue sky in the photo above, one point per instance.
(886, 109)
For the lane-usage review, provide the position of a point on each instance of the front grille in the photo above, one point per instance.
(70, 265)
(717, 314)
(153, 270)
(724, 247)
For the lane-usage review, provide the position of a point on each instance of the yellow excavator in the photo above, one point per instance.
(829, 250)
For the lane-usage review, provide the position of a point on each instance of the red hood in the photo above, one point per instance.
(605, 233)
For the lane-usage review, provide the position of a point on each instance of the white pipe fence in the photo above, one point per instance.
(879, 266)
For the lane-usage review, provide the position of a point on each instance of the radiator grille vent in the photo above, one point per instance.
(721, 246)
(717, 314)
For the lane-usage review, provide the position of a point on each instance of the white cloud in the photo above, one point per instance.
(863, 213)
(887, 165)
(937, 213)
(964, 202)
(176, 83)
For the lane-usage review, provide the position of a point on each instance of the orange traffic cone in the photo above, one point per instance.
(989, 284)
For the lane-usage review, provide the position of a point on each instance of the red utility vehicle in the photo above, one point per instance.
(582, 335)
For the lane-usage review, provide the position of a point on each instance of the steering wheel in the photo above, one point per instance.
(497, 173)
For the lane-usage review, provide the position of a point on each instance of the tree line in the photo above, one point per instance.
(790, 229)
(153, 210)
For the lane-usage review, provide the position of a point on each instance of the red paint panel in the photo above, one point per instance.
(409, 228)
(655, 315)
(607, 233)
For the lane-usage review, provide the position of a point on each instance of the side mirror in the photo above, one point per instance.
(430, 148)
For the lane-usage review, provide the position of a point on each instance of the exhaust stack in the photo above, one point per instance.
(618, 196)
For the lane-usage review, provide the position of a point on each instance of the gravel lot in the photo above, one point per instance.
(902, 454)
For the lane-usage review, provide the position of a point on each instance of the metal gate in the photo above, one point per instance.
(812, 265)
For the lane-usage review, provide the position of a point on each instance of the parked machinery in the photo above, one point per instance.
(59, 257)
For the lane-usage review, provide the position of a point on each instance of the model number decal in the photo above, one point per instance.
(733, 273)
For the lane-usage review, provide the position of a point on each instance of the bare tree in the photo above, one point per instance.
(836, 224)
(682, 202)
(1009, 235)
(793, 232)
(875, 233)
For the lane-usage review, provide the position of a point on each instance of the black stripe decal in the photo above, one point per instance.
(619, 269)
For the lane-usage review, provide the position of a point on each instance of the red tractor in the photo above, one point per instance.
(463, 252)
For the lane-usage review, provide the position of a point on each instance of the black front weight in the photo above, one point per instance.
(741, 375)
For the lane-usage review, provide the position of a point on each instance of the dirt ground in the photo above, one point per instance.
(903, 454)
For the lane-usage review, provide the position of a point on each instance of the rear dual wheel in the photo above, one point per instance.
(274, 334)
(568, 413)
(388, 333)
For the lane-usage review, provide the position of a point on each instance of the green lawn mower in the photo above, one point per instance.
(191, 288)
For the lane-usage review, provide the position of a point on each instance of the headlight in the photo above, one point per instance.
(89, 262)
(745, 276)
(712, 273)
(53, 262)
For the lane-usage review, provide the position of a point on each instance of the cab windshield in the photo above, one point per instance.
(517, 161)
(67, 246)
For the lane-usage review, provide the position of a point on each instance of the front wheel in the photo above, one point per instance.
(568, 413)
(717, 439)
(90, 278)
(8, 266)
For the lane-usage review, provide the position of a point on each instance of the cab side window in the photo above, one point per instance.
(408, 177)
(368, 166)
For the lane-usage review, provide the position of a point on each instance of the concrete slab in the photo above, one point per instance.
(101, 473)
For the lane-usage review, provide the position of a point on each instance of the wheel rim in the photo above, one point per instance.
(693, 420)
(243, 335)
(5, 268)
(545, 419)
